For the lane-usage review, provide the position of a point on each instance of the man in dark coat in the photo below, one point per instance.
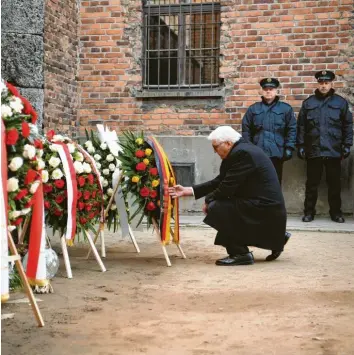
(244, 203)
(271, 125)
(324, 138)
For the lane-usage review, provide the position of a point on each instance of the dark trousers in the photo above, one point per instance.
(315, 168)
(278, 165)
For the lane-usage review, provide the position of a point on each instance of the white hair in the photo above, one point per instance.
(224, 134)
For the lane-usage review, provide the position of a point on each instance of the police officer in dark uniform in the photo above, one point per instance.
(324, 137)
(271, 125)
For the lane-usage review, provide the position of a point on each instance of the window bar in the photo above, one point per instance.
(158, 45)
(212, 46)
(169, 44)
(200, 43)
(180, 44)
(190, 46)
(144, 47)
(148, 45)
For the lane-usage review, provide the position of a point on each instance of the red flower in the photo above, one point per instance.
(58, 212)
(50, 134)
(47, 204)
(47, 188)
(92, 215)
(153, 171)
(81, 205)
(140, 153)
(90, 178)
(30, 202)
(83, 220)
(59, 183)
(79, 195)
(38, 144)
(81, 180)
(34, 116)
(18, 221)
(12, 89)
(153, 193)
(87, 195)
(88, 208)
(28, 110)
(94, 193)
(59, 199)
(12, 136)
(140, 166)
(25, 129)
(145, 192)
(21, 194)
(30, 177)
(150, 206)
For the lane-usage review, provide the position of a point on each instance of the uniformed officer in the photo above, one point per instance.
(271, 125)
(324, 138)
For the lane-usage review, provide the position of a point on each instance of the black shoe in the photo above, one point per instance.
(338, 219)
(287, 237)
(242, 259)
(308, 218)
(275, 255)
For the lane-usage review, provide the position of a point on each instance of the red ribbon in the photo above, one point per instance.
(4, 169)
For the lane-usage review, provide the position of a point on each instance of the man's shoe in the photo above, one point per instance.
(275, 255)
(308, 218)
(287, 237)
(242, 259)
(338, 219)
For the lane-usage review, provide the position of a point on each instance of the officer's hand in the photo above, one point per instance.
(301, 153)
(205, 208)
(345, 152)
(288, 154)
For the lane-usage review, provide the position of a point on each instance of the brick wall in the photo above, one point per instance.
(288, 39)
(61, 65)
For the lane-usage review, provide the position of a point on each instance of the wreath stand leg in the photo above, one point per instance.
(178, 245)
(103, 245)
(131, 235)
(66, 257)
(17, 258)
(95, 252)
(157, 231)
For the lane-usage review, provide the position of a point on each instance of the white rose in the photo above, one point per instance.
(113, 207)
(111, 167)
(45, 176)
(40, 164)
(79, 156)
(3, 87)
(11, 228)
(58, 138)
(98, 165)
(105, 183)
(29, 151)
(105, 172)
(105, 197)
(40, 153)
(6, 111)
(88, 144)
(54, 147)
(86, 167)
(12, 184)
(71, 147)
(34, 128)
(101, 179)
(103, 146)
(16, 163)
(97, 157)
(91, 149)
(110, 157)
(25, 211)
(34, 187)
(54, 162)
(14, 214)
(16, 104)
(78, 167)
(57, 174)
(110, 192)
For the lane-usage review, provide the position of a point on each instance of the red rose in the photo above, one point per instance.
(30, 177)
(12, 89)
(59, 183)
(153, 171)
(50, 134)
(153, 193)
(28, 110)
(92, 215)
(38, 144)
(25, 129)
(140, 167)
(59, 199)
(94, 193)
(83, 220)
(30, 202)
(90, 178)
(79, 195)
(150, 206)
(81, 180)
(58, 212)
(140, 153)
(81, 205)
(47, 188)
(88, 208)
(87, 195)
(34, 116)
(11, 136)
(21, 194)
(47, 204)
(145, 192)
(17, 221)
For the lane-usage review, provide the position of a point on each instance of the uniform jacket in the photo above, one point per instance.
(249, 195)
(270, 127)
(325, 125)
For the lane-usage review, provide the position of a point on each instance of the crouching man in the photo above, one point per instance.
(244, 203)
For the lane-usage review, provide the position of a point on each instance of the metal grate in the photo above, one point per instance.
(181, 44)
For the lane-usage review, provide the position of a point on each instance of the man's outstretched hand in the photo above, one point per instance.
(180, 191)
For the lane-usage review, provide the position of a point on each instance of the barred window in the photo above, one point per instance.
(181, 44)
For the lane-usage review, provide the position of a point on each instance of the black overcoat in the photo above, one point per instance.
(245, 201)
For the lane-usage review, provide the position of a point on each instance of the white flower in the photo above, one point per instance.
(98, 165)
(3, 87)
(86, 167)
(29, 151)
(91, 149)
(16, 104)
(34, 187)
(111, 167)
(71, 147)
(78, 156)
(105, 183)
(40, 153)
(110, 157)
(12, 184)
(16, 163)
(6, 111)
(58, 138)
(101, 179)
(78, 167)
(33, 128)
(105, 197)
(110, 192)
(88, 144)
(40, 164)
(54, 147)
(45, 176)
(103, 146)
(14, 214)
(11, 228)
(113, 207)
(57, 174)
(54, 162)
(105, 171)
(97, 157)
(25, 211)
